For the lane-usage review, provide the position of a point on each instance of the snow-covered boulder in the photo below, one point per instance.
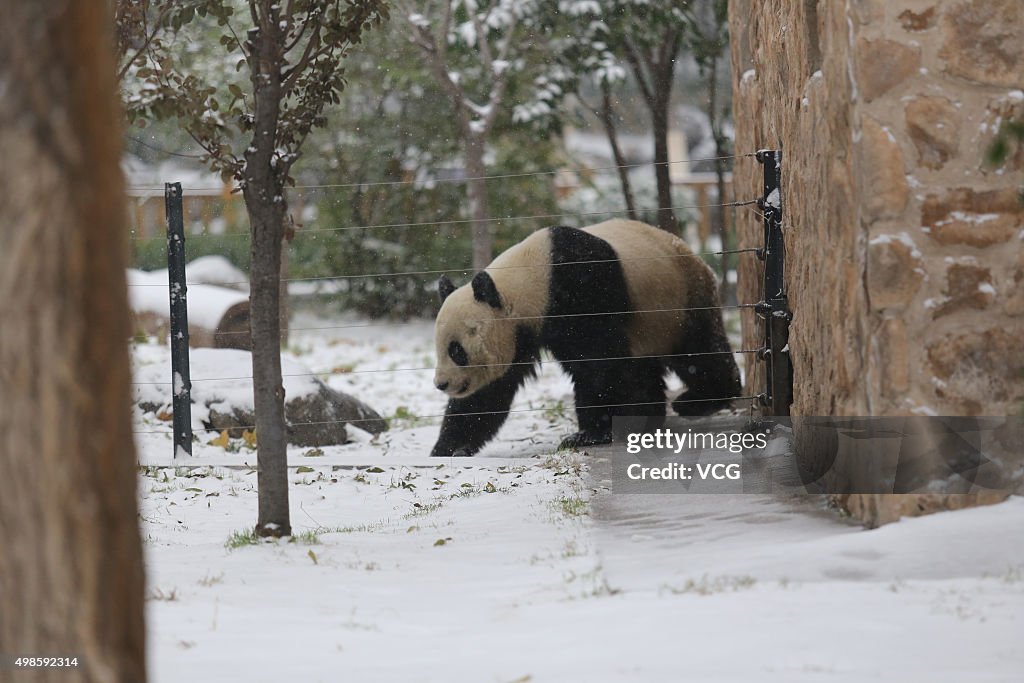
(218, 317)
(222, 396)
(215, 270)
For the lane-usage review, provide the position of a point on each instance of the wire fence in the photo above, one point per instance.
(435, 178)
(468, 221)
(480, 365)
(444, 271)
(441, 415)
(441, 271)
(509, 318)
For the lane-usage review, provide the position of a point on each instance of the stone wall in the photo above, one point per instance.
(905, 251)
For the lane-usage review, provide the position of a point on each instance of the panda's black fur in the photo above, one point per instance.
(587, 277)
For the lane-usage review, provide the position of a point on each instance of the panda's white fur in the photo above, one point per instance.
(661, 275)
(522, 276)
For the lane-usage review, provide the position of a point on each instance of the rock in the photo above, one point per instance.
(868, 12)
(884, 64)
(876, 509)
(881, 168)
(984, 363)
(977, 219)
(218, 317)
(917, 21)
(216, 270)
(894, 357)
(933, 124)
(983, 41)
(967, 286)
(222, 395)
(894, 272)
(1015, 302)
(329, 411)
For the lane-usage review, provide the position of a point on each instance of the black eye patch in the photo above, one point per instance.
(458, 354)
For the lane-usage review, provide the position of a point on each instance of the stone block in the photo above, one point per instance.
(967, 286)
(1015, 302)
(918, 21)
(894, 357)
(983, 41)
(884, 64)
(882, 173)
(973, 218)
(876, 509)
(894, 272)
(978, 367)
(933, 124)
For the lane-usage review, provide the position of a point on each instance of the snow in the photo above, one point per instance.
(214, 270)
(521, 565)
(902, 237)
(148, 292)
(963, 217)
(774, 199)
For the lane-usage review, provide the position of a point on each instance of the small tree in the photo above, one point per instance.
(581, 57)
(708, 41)
(473, 49)
(649, 35)
(252, 129)
(598, 42)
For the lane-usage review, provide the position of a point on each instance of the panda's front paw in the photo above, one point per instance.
(584, 439)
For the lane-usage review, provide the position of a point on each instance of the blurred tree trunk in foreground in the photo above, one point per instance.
(71, 575)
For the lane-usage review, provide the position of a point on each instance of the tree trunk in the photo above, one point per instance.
(71, 573)
(607, 115)
(719, 224)
(479, 211)
(264, 200)
(266, 222)
(283, 278)
(662, 173)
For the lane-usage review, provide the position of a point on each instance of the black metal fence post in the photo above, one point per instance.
(181, 381)
(774, 307)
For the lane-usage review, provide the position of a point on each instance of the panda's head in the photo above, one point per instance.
(475, 341)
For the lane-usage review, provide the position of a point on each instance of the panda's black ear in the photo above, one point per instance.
(485, 291)
(444, 287)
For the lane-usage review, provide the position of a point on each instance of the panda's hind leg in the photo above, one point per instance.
(711, 375)
(613, 387)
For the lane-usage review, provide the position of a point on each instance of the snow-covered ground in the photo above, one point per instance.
(517, 565)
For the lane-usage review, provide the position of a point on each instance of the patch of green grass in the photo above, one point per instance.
(238, 539)
(310, 537)
(573, 506)
(564, 462)
(406, 418)
(554, 412)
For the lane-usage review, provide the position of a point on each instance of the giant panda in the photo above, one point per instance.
(605, 301)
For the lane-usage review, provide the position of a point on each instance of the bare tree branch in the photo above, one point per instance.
(635, 62)
(291, 75)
